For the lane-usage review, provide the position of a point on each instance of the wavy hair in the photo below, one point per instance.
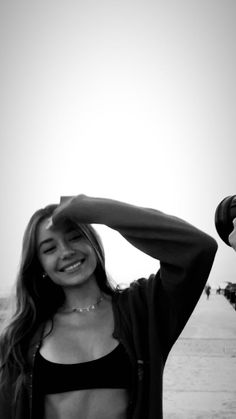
(37, 298)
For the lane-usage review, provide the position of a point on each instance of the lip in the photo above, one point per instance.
(68, 265)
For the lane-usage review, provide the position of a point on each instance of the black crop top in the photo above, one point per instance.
(110, 371)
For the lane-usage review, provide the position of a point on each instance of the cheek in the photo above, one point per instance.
(47, 262)
(92, 256)
(232, 238)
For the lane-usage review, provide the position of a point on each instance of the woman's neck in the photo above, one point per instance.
(83, 295)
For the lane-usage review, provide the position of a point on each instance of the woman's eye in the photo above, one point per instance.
(49, 250)
(74, 238)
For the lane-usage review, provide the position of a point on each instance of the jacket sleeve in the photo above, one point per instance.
(186, 255)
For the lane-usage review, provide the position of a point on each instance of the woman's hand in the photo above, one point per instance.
(69, 207)
(232, 236)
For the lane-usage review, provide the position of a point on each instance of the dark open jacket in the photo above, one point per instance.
(151, 313)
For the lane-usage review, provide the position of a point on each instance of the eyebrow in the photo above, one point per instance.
(49, 240)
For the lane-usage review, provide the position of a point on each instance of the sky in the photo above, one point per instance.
(130, 100)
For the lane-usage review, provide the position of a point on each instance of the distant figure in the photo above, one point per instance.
(208, 291)
(218, 291)
(79, 347)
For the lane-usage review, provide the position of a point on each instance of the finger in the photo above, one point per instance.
(64, 199)
(60, 213)
(49, 224)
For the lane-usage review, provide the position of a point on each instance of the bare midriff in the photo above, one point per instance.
(87, 404)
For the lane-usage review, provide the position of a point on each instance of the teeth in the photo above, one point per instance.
(72, 267)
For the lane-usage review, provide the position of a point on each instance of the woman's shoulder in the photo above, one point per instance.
(135, 285)
(135, 291)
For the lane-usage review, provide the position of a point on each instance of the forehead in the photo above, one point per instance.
(43, 232)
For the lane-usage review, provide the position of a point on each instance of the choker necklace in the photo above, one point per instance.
(91, 307)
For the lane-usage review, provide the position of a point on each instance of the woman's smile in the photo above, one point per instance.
(65, 254)
(73, 266)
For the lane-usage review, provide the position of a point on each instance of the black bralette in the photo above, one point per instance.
(110, 371)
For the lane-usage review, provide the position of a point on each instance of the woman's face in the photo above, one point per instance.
(65, 254)
(232, 236)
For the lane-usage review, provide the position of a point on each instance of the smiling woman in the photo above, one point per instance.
(94, 350)
(65, 254)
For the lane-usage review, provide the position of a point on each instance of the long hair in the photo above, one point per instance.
(38, 298)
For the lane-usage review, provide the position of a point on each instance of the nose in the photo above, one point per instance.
(66, 251)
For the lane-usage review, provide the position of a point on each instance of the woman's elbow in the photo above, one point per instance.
(207, 246)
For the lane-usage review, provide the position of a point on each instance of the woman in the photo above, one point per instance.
(94, 351)
(232, 236)
(225, 220)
